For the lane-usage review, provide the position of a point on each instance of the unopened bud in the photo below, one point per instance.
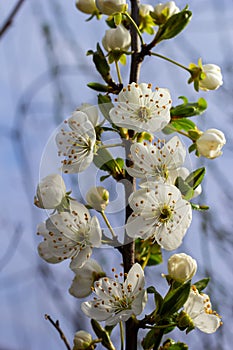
(50, 192)
(97, 198)
(181, 267)
(108, 7)
(82, 340)
(86, 6)
(210, 143)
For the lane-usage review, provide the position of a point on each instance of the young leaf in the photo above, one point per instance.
(102, 334)
(105, 105)
(195, 178)
(175, 299)
(183, 124)
(186, 190)
(174, 25)
(188, 109)
(202, 284)
(199, 207)
(157, 297)
(98, 87)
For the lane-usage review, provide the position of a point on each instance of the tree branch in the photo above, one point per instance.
(57, 326)
(11, 17)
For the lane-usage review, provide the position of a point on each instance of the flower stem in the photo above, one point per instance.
(118, 72)
(108, 223)
(147, 258)
(135, 26)
(122, 335)
(111, 145)
(162, 326)
(171, 61)
(179, 131)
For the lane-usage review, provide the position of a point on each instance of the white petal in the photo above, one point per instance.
(139, 303)
(207, 323)
(135, 278)
(46, 254)
(80, 258)
(95, 232)
(94, 312)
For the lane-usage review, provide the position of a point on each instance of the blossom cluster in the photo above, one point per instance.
(160, 205)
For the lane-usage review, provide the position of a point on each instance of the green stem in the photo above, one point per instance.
(171, 61)
(179, 132)
(111, 145)
(161, 327)
(122, 335)
(147, 258)
(118, 72)
(108, 223)
(135, 26)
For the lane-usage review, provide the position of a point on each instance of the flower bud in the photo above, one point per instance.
(108, 7)
(84, 278)
(162, 12)
(145, 9)
(181, 267)
(213, 77)
(116, 39)
(50, 192)
(210, 143)
(86, 6)
(97, 198)
(82, 340)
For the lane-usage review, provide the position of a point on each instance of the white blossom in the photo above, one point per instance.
(90, 111)
(213, 79)
(69, 235)
(198, 307)
(210, 143)
(117, 38)
(98, 198)
(156, 160)
(84, 278)
(181, 267)
(50, 192)
(159, 213)
(117, 301)
(108, 7)
(164, 11)
(141, 109)
(77, 145)
(86, 6)
(82, 340)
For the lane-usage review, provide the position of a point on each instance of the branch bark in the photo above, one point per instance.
(10, 18)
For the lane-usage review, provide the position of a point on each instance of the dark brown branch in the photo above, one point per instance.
(57, 326)
(11, 17)
(135, 64)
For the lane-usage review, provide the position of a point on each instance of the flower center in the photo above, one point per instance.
(143, 114)
(166, 213)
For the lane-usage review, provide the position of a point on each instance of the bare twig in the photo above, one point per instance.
(11, 17)
(57, 326)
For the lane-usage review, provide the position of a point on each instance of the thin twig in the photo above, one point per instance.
(10, 18)
(57, 326)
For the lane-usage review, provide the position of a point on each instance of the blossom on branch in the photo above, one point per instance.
(50, 193)
(117, 301)
(156, 160)
(198, 308)
(159, 213)
(162, 12)
(109, 7)
(77, 145)
(116, 39)
(85, 277)
(181, 267)
(210, 143)
(141, 109)
(69, 235)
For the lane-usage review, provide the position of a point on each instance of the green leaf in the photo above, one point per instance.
(105, 105)
(98, 87)
(149, 340)
(183, 124)
(195, 178)
(155, 255)
(186, 190)
(174, 300)
(104, 161)
(174, 25)
(202, 284)
(102, 334)
(104, 177)
(192, 148)
(170, 344)
(189, 109)
(157, 297)
(101, 63)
